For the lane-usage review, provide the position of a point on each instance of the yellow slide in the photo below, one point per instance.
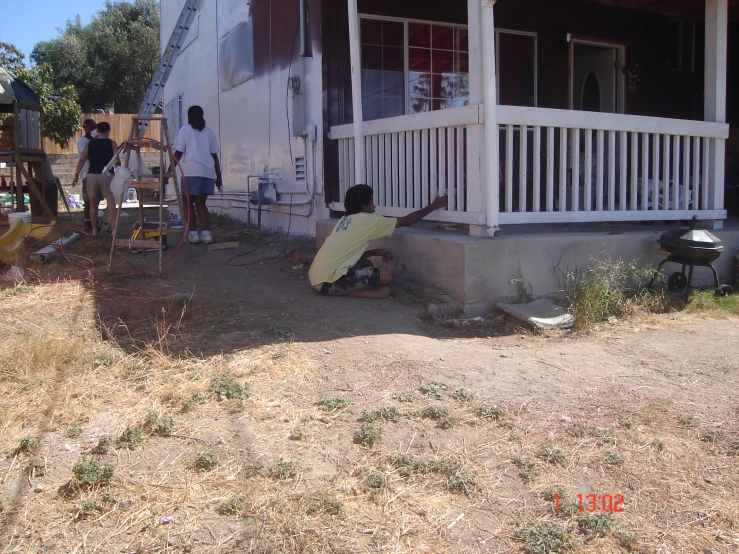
(13, 243)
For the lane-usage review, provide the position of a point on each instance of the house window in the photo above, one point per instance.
(438, 67)
(418, 66)
(383, 71)
(682, 46)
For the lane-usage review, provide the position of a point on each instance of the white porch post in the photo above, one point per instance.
(492, 191)
(356, 69)
(717, 13)
(475, 133)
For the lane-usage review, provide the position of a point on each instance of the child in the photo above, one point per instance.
(342, 266)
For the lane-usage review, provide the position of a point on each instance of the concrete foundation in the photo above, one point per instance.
(525, 262)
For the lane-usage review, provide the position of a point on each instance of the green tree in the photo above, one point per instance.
(111, 60)
(61, 114)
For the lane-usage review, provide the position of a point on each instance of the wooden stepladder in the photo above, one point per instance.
(149, 182)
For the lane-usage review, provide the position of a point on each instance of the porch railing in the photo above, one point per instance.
(555, 165)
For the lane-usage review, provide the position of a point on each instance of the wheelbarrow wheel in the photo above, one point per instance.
(723, 290)
(677, 282)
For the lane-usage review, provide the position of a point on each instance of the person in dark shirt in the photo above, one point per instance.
(99, 151)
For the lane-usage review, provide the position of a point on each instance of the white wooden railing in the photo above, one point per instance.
(555, 165)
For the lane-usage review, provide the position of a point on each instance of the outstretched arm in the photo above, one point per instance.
(219, 180)
(415, 217)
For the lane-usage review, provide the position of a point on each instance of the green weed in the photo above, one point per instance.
(206, 461)
(158, 424)
(550, 453)
(605, 435)
(232, 506)
(614, 458)
(15, 291)
(434, 412)
(278, 330)
(462, 482)
(130, 438)
(385, 413)
(332, 403)
(195, 400)
(712, 435)
(368, 435)
(432, 389)
(529, 469)
(88, 508)
(628, 422)
(103, 445)
(596, 525)
(376, 480)
(628, 540)
(224, 385)
(546, 538)
(87, 472)
(496, 412)
(578, 430)
(463, 395)
(324, 504)
(285, 469)
(403, 396)
(446, 422)
(27, 444)
(706, 301)
(74, 430)
(688, 420)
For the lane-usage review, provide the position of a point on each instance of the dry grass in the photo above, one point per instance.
(57, 370)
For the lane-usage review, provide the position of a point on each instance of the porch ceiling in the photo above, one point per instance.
(684, 9)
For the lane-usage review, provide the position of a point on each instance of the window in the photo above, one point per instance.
(682, 46)
(418, 66)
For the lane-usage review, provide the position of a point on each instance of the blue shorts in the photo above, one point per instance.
(198, 185)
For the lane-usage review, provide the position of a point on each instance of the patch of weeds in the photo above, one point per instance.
(628, 422)
(279, 354)
(224, 385)
(565, 507)
(447, 466)
(103, 445)
(109, 497)
(657, 445)
(463, 395)
(496, 412)
(403, 396)
(253, 470)
(37, 467)
(462, 482)
(706, 301)
(614, 458)
(385, 413)
(74, 430)
(733, 449)
(232, 506)
(529, 470)
(103, 360)
(688, 420)
(27, 444)
(578, 430)
(605, 435)
(130, 438)
(88, 472)
(552, 454)
(195, 400)
(376, 480)
(605, 290)
(15, 291)
(546, 538)
(88, 508)
(332, 403)
(278, 330)
(285, 469)
(368, 435)
(434, 412)
(628, 540)
(158, 424)
(712, 435)
(206, 461)
(432, 389)
(596, 525)
(446, 422)
(324, 504)
(410, 466)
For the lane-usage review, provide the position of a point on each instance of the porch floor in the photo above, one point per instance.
(525, 261)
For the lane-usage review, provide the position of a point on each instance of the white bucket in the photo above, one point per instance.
(25, 217)
(175, 222)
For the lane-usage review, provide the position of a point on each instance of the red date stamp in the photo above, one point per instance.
(596, 503)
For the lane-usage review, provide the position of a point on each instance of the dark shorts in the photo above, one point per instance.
(361, 276)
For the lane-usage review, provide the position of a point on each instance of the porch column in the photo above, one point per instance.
(356, 69)
(475, 133)
(492, 191)
(717, 14)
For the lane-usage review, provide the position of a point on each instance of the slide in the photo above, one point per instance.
(13, 243)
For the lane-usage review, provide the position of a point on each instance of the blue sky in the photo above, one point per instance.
(26, 22)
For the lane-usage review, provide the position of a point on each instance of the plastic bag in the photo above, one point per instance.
(137, 166)
(120, 183)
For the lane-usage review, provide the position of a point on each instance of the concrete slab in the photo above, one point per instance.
(541, 314)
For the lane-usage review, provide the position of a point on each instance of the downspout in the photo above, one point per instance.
(303, 28)
(491, 119)
(356, 69)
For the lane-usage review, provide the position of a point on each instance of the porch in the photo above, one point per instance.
(525, 164)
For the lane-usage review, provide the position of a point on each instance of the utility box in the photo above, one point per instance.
(296, 84)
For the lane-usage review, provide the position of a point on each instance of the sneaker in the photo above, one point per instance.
(206, 237)
(193, 237)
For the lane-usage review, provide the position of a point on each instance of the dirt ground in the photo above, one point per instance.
(644, 410)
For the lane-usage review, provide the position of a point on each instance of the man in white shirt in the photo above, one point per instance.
(88, 125)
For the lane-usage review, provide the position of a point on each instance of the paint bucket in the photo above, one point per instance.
(25, 217)
(175, 222)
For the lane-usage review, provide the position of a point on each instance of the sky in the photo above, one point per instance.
(26, 22)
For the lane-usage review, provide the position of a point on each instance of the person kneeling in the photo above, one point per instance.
(341, 266)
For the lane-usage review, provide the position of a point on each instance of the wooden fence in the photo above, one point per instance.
(120, 130)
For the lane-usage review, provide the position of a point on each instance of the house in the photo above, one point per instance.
(526, 113)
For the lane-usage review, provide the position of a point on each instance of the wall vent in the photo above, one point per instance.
(301, 177)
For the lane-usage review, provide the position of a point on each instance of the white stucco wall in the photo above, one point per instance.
(250, 120)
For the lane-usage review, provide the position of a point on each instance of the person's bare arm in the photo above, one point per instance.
(80, 163)
(415, 217)
(219, 180)
(386, 255)
(116, 153)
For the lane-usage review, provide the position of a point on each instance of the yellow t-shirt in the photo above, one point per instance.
(346, 244)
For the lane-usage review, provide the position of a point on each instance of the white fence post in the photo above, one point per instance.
(356, 68)
(492, 190)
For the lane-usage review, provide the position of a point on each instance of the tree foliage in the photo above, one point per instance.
(61, 114)
(111, 60)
